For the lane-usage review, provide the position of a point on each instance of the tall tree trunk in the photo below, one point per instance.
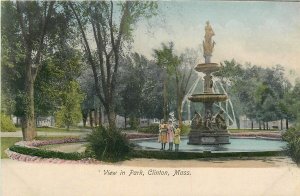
(179, 100)
(84, 116)
(111, 115)
(286, 123)
(28, 124)
(125, 117)
(84, 122)
(281, 124)
(91, 118)
(267, 125)
(165, 94)
(111, 119)
(179, 113)
(252, 124)
(264, 125)
(259, 124)
(96, 117)
(100, 117)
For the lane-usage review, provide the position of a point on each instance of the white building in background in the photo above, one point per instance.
(48, 121)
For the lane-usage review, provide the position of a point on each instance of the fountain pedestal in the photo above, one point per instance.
(210, 129)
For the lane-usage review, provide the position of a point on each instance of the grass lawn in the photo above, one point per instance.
(50, 129)
(7, 142)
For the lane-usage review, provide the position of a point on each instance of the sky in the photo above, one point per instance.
(263, 33)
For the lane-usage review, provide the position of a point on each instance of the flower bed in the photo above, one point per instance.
(37, 143)
(28, 151)
(257, 134)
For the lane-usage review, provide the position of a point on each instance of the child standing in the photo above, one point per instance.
(177, 139)
(170, 135)
(163, 135)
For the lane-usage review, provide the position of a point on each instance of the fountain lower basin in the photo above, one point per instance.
(236, 145)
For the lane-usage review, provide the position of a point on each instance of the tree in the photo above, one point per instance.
(140, 85)
(70, 112)
(290, 104)
(259, 91)
(168, 61)
(12, 58)
(58, 70)
(33, 18)
(110, 35)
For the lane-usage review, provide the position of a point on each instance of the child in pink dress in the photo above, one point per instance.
(170, 135)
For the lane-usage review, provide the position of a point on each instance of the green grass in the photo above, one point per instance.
(7, 142)
(50, 129)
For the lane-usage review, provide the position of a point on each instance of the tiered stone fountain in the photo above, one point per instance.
(210, 129)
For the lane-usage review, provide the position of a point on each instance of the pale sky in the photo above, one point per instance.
(263, 33)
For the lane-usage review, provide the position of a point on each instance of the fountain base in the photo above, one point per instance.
(197, 137)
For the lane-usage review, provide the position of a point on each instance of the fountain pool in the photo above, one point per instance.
(236, 145)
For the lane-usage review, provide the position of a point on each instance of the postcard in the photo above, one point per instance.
(150, 98)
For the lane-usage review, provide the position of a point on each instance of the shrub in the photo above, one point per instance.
(292, 136)
(185, 130)
(47, 153)
(133, 122)
(153, 128)
(108, 144)
(6, 123)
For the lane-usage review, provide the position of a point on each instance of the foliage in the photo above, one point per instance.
(31, 32)
(51, 129)
(108, 144)
(140, 87)
(292, 136)
(112, 26)
(134, 122)
(6, 123)
(258, 92)
(47, 153)
(185, 129)
(70, 112)
(7, 142)
(168, 62)
(290, 105)
(152, 128)
(54, 79)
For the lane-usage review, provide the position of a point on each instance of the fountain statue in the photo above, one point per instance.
(211, 129)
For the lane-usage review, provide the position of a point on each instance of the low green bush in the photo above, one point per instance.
(7, 124)
(152, 128)
(185, 130)
(133, 122)
(108, 144)
(292, 136)
(47, 153)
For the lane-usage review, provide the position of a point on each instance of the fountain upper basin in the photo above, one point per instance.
(208, 97)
